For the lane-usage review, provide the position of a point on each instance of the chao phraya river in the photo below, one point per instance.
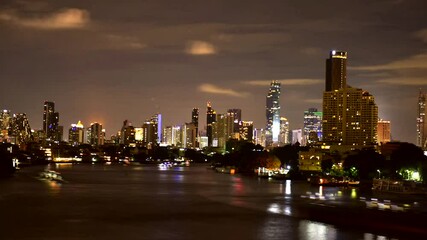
(148, 202)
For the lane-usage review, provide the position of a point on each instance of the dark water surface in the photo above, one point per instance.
(148, 202)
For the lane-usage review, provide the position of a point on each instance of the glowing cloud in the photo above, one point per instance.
(209, 88)
(418, 61)
(405, 81)
(69, 18)
(287, 82)
(200, 48)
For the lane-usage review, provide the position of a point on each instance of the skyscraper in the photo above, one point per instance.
(76, 134)
(312, 126)
(235, 116)
(5, 124)
(350, 115)
(50, 121)
(336, 71)
(195, 121)
(421, 120)
(20, 128)
(246, 131)
(284, 131)
(96, 134)
(210, 119)
(273, 114)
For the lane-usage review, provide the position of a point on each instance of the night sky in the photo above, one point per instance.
(107, 61)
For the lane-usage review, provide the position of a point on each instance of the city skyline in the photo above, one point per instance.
(109, 62)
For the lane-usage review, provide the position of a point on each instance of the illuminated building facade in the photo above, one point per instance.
(296, 136)
(312, 126)
(421, 120)
(20, 128)
(272, 129)
(259, 136)
(350, 115)
(336, 71)
(195, 120)
(189, 138)
(284, 132)
(97, 136)
(210, 120)
(5, 123)
(383, 131)
(50, 121)
(246, 131)
(235, 117)
(76, 134)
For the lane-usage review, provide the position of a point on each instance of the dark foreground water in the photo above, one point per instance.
(148, 202)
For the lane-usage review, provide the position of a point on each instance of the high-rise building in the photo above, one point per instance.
(50, 121)
(336, 71)
(350, 115)
(246, 131)
(189, 135)
(312, 126)
(296, 136)
(284, 132)
(157, 121)
(273, 114)
(383, 131)
(421, 120)
(76, 134)
(5, 124)
(219, 131)
(235, 117)
(259, 136)
(210, 119)
(20, 128)
(97, 133)
(195, 119)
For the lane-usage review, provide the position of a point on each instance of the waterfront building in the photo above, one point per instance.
(350, 114)
(272, 129)
(189, 138)
(20, 128)
(235, 117)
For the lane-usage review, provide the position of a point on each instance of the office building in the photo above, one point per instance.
(97, 134)
(50, 121)
(336, 71)
(284, 132)
(246, 131)
(76, 134)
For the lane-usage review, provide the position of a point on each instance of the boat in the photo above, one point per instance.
(397, 186)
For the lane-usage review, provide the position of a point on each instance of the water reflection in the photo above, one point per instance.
(288, 190)
(278, 209)
(315, 230)
(54, 187)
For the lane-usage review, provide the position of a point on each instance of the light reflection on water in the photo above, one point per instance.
(315, 230)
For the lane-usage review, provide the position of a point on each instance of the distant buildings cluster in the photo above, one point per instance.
(349, 118)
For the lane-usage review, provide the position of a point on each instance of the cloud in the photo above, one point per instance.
(421, 34)
(287, 82)
(209, 88)
(411, 81)
(418, 61)
(124, 42)
(200, 48)
(69, 18)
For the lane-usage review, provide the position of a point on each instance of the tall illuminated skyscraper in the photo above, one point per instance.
(235, 116)
(76, 134)
(210, 119)
(96, 134)
(273, 114)
(195, 120)
(350, 115)
(284, 131)
(421, 120)
(50, 120)
(336, 71)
